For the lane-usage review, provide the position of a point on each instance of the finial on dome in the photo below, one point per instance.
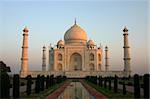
(75, 21)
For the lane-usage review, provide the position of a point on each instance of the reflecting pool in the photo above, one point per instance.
(75, 90)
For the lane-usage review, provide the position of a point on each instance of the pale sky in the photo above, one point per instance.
(48, 20)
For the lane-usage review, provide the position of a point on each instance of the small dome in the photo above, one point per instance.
(60, 43)
(125, 29)
(90, 43)
(106, 48)
(75, 33)
(44, 47)
(25, 29)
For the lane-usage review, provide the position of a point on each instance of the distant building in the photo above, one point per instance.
(76, 56)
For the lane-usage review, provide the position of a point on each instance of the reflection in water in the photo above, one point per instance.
(75, 91)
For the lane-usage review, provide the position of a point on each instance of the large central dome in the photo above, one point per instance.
(75, 33)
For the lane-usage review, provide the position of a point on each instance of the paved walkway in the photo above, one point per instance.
(56, 93)
(93, 91)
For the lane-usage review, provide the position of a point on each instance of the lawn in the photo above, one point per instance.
(110, 94)
(42, 94)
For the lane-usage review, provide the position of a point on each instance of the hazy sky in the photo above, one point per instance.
(49, 20)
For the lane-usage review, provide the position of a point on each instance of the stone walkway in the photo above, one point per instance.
(92, 91)
(56, 93)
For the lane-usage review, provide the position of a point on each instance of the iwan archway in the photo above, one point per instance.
(75, 62)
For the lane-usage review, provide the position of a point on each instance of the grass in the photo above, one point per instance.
(110, 94)
(131, 82)
(42, 94)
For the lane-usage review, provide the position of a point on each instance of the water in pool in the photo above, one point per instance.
(75, 91)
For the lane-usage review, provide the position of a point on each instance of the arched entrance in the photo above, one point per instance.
(91, 67)
(76, 62)
(59, 67)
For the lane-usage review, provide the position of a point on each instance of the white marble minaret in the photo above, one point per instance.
(24, 60)
(127, 58)
(106, 59)
(44, 59)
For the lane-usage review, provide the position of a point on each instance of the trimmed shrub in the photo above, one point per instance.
(47, 81)
(5, 86)
(146, 86)
(124, 87)
(130, 84)
(42, 78)
(136, 86)
(37, 84)
(99, 80)
(11, 86)
(102, 79)
(116, 84)
(22, 84)
(105, 82)
(16, 86)
(51, 80)
(29, 85)
(120, 82)
(109, 80)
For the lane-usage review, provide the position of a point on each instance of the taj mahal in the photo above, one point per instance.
(75, 57)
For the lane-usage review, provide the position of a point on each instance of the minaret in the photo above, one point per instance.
(24, 60)
(106, 59)
(44, 59)
(127, 58)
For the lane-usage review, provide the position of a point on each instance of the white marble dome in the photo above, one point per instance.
(75, 33)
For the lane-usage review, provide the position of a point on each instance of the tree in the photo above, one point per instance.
(47, 82)
(99, 80)
(16, 86)
(29, 84)
(105, 82)
(42, 78)
(64, 78)
(136, 86)
(116, 84)
(102, 81)
(37, 84)
(109, 81)
(57, 79)
(146, 80)
(4, 80)
(5, 86)
(51, 80)
(4, 68)
(124, 87)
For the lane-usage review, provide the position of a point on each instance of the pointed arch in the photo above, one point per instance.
(100, 67)
(99, 57)
(75, 62)
(91, 67)
(60, 57)
(59, 67)
(91, 57)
